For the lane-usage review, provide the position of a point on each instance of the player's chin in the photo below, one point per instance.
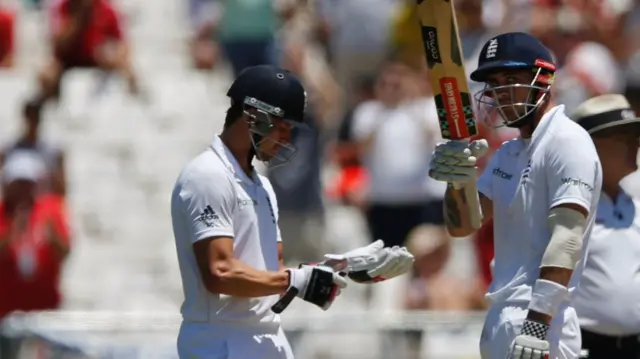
(267, 155)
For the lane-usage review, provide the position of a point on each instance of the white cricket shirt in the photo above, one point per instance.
(607, 298)
(525, 179)
(214, 197)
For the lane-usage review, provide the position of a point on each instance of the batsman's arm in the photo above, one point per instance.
(567, 223)
(574, 181)
(222, 273)
(456, 211)
(207, 213)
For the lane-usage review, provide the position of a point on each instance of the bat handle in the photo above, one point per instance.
(284, 302)
(473, 201)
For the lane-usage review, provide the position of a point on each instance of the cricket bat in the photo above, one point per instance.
(448, 81)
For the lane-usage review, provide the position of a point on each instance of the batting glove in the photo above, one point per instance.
(319, 284)
(373, 263)
(531, 343)
(455, 161)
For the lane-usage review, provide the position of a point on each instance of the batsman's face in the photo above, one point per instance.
(279, 136)
(510, 92)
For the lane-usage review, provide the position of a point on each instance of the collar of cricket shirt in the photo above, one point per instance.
(608, 209)
(231, 162)
(545, 123)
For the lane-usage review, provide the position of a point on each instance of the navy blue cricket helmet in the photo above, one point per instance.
(514, 51)
(276, 90)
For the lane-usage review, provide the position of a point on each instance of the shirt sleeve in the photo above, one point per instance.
(207, 202)
(572, 173)
(365, 120)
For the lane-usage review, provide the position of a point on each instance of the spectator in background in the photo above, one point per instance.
(244, 30)
(352, 177)
(34, 238)
(357, 33)
(298, 185)
(396, 133)
(86, 34)
(204, 16)
(54, 180)
(7, 37)
(581, 77)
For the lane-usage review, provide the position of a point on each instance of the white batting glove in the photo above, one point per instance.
(531, 343)
(373, 263)
(319, 285)
(455, 161)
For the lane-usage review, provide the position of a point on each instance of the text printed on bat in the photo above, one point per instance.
(455, 112)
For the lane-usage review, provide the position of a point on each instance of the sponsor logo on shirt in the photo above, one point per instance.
(501, 174)
(577, 182)
(208, 217)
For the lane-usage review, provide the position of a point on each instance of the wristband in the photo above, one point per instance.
(535, 329)
(547, 297)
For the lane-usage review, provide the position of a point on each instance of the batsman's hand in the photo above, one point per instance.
(319, 284)
(531, 343)
(372, 263)
(455, 161)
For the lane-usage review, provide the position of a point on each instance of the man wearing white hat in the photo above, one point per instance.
(607, 299)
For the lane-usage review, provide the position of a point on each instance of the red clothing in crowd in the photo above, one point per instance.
(103, 27)
(30, 265)
(6, 33)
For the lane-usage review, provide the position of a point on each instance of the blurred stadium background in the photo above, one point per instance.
(104, 100)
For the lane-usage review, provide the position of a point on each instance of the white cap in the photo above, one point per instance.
(605, 111)
(23, 165)
(594, 65)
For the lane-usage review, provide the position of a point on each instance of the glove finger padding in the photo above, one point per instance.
(479, 148)
(456, 170)
(529, 347)
(452, 177)
(357, 253)
(455, 161)
(454, 148)
(408, 260)
(399, 261)
(396, 261)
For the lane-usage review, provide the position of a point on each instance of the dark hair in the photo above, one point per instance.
(233, 113)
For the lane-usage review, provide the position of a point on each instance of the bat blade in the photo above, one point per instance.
(448, 80)
(447, 76)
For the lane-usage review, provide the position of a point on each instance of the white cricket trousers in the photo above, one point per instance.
(504, 322)
(232, 341)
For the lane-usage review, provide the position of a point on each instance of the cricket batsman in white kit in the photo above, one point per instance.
(228, 243)
(541, 190)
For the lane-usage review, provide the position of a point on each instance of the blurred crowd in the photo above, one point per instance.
(372, 116)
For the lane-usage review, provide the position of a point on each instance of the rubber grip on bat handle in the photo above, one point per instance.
(473, 203)
(284, 302)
